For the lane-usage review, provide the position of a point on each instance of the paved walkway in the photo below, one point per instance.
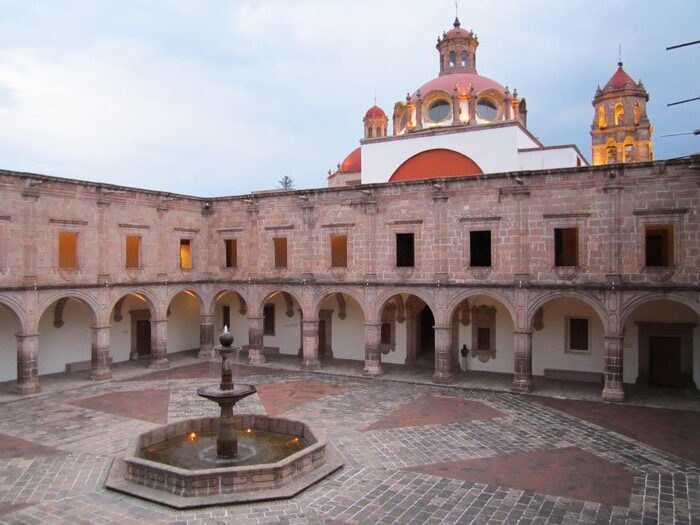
(413, 452)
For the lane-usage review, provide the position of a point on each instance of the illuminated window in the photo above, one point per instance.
(280, 244)
(612, 153)
(658, 245)
(480, 248)
(601, 117)
(339, 251)
(133, 251)
(185, 254)
(67, 250)
(629, 152)
(566, 246)
(269, 319)
(405, 253)
(230, 253)
(637, 112)
(577, 334)
(619, 114)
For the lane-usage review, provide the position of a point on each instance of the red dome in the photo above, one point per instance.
(463, 80)
(375, 112)
(620, 80)
(353, 162)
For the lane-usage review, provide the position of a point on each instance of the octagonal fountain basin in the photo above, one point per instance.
(177, 464)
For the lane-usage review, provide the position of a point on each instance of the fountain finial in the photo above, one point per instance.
(226, 338)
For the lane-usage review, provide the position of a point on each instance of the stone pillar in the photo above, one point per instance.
(522, 379)
(373, 356)
(613, 389)
(100, 353)
(255, 341)
(310, 345)
(159, 344)
(443, 355)
(27, 364)
(206, 336)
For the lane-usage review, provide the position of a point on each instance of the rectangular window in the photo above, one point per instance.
(405, 254)
(483, 338)
(269, 319)
(231, 253)
(67, 250)
(658, 245)
(339, 251)
(280, 252)
(226, 317)
(577, 334)
(185, 253)
(133, 251)
(566, 246)
(480, 248)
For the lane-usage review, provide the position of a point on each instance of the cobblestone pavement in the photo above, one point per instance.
(413, 454)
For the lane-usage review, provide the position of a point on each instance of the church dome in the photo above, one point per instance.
(463, 81)
(353, 162)
(375, 112)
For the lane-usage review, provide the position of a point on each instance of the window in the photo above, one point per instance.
(67, 250)
(629, 152)
(619, 114)
(566, 246)
(658, 245)
(269, 319)
(480, 248)
(280, 244)
(339, 251)
(453, 58)
(601, 117)
(486, 109)
(404, 250)
(226, 317)
(483, 338)
(465, 58)
(612, 154)
(185, 254)
(230, 253)
(439, 110)
(637, 112)
(369, 132)
(133, 251)
(577, 334)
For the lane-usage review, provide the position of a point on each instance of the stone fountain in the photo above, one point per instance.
(226, 459)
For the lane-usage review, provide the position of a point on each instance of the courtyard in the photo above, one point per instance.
(413, 452)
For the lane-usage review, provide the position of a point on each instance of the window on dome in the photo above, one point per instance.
(486, 109)
(453, 58)
(465, 58)
(439, 110)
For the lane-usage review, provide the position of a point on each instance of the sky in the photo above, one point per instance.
(225, 97)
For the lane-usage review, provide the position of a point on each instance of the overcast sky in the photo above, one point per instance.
(226, 97)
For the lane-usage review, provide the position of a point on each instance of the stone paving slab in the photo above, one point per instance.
(147, 405)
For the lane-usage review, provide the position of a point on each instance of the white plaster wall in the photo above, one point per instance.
(239, 323)
(183, 323)
(398, 356)
(69, 344)
(8, 345)
(503, 361)
(287, 329)
(120, 332)
(347, 335)
(548, 158)
(659, 312)
(549, 344)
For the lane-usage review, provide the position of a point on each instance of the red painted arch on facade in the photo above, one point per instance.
(436, 164)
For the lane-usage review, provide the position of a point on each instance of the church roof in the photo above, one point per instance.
(621, 80)
(375, 112)
(463, 81)
(353, 162)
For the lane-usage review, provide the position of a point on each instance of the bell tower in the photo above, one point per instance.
(621, 131)
(376, 123)
(457, 49)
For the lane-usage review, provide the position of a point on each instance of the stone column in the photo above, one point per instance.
(522, 379)
(27, 364)
(255, 341)
(443, 355)
(373, 357)
(613, 389)
(159, 344)
(310, 345)
(206, 336)
(100, 353)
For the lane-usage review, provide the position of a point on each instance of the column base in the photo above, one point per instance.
(443, 378)
(373, 370)
(26, 389)
(311, 364)
(521, 386)
(159, 364)
(255, 356)
(205, 354)
(613, 395)
(101, 375)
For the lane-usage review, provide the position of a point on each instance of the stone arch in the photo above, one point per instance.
(16, 311)
(269, 290)
(644, 298)
(187, 289)
(85, 298)
(146, 295)
(11, 324)
(384, 297)
(543, 299)
(216, 294)
(325, 292)
(341, 317)
(454, 303)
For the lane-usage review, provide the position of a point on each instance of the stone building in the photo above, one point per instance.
(578, 272)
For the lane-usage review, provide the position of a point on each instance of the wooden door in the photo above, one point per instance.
(143, 338)
(665, 361)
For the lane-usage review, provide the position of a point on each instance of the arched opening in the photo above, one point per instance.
(637, 113)
(482, 328)
(567, 341)
(183, 322)
(341, 328)
(9, 326)
(65, 337)
(662, 345)
(231, 310)
(425, 352)
(130, 329)
(282, 325)
(602, 122)
(407, 332)
(435, 163)
(619, 114)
